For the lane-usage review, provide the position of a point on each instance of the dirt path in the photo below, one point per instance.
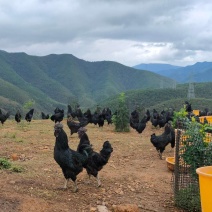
(134, 174)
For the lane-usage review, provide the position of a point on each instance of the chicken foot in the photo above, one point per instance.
(75, 185)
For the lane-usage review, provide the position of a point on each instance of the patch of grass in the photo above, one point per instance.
(17, 169)
(9, 135)
(23, 126)
(4, 163)
(19, 140)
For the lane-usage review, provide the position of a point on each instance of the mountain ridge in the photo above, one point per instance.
(198, 72)
(53, 79)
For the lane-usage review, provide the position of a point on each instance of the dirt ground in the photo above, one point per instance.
(133, 175)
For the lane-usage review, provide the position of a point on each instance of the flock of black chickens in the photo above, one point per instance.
(73, 162)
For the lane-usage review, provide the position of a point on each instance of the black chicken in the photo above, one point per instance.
(107, 114)
(161, 141)
(58, 115)
(101, 120)
(70, 161)
(74, 126)
(148, 116)
(154, 120)
(84, 140)
(188, 107)
(98, 160)
(18, 116)
(4, 117)
(29, 115)
(161, 120)
(139, 127)
(44, 116)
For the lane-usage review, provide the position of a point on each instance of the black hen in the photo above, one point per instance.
(148, 115)
(98, 160)
(4, 117)
(29, 115)
(58, 115)
(70, 161)
(74, 126)
(154, 120)
(188, 107)
(161, 120)
(139, 127)
(44, 116)
(18, 116)
(161, 141)
(84, 140)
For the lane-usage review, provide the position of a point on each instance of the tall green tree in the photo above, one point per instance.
(121, 117)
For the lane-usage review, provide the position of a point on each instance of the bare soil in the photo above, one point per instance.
(133, 175)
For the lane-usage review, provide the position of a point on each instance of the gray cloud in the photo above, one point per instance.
(129, 32)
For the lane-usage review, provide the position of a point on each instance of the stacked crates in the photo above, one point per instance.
(209, 119)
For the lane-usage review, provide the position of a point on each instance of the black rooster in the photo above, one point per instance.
(29, 115)
(58, 115)
(97, 160)
(161, 141)
(70, 161)
(18, 116)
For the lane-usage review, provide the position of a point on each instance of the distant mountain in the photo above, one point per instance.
(58, 80)
(155, 67)
(199, 72)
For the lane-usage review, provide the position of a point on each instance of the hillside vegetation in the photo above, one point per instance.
(60, 79)
(164, 98)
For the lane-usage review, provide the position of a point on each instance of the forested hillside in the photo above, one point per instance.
(54, 80)
(164, 98)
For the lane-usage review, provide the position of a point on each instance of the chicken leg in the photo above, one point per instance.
(98, 181)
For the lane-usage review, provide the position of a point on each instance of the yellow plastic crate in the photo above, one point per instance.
(196, 112)
(208, 137)
(209, 119)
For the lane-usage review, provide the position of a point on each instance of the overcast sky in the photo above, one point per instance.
(130, 32)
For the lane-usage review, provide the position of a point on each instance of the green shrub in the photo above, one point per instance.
(4, 163)
(121, 119)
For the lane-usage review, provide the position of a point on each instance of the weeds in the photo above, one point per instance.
(5, 164)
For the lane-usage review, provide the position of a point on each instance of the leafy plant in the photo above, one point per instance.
(195, 151)
(17, 169)
(4, 163)
(121, 117)
(180, 118)
(29, 104)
